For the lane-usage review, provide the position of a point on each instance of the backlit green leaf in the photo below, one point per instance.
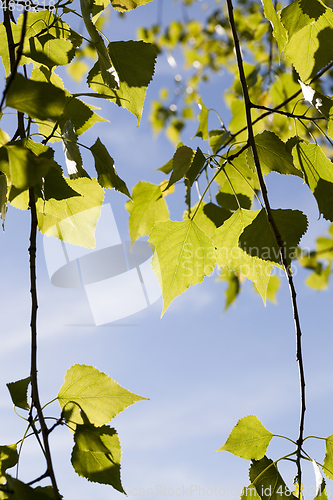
(72, 219)
(203, 121)
(268, 481)
(234, 258)
(310, 48)
(233, 288)
(134, 63)
(185, 256)
(37, 99)
(23, 167)
(301, 13)
(97, 454)
(237, 184)
(273, 287)
(258, 238)
(23, 491)
(328, 461)
(248, 439)
(18, 392)
(279, 30)
(182, 160)
(273, 155)
(146, 207)
(8, 458)
(318, 174)
(106, 172)
(99, 397)
(125, 5)
(250, 493)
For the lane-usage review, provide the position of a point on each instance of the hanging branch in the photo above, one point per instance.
(279, 240)
(14, 62)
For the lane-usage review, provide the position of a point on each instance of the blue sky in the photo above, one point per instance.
(201, 369)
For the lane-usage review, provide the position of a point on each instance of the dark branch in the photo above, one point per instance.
(276, 232)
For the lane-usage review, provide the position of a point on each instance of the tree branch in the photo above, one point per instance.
(14, 62)
(279, 240)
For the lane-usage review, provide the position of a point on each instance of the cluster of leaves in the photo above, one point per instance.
(88, 400)
(30, 177)
(287, 71)
(249, 439)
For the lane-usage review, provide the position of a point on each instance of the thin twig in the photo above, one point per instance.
(275, 110)
(276, 232)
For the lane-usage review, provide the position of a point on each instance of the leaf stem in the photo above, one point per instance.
(279, 240)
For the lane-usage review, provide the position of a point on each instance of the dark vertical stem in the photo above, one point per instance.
(279, 240)
(33, 325)
(14, 61)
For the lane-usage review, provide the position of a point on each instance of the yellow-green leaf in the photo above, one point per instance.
(248, 439)
(95, 393)
(185, 256)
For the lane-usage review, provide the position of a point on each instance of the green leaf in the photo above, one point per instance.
(318, 174)
(234, 287)
(201, 219)
(41, 27)
(250, 493)
(216, 214)
(233, 258)
(81, 115)
(23, 491)
(23, 167)
(134, 63)
(237, 184)
(146, 207)
(196, 166)
(279, 31)
(310, 48)
(272, 288)
(182, 160)
(18, 392)
(8, 458)
(96, 455)
(208, 217)
(249, 439)
(72, 219)
(37, 99)
(258, 238)
(268, 482)
(54, 52)
(328, 461)
(301, 13)
(217, 138)
(273, 155)
(125, 5)
(106, 172)
(319, 280)
(95, 393)
(184, 256)
(203, 121)
(168, 166)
